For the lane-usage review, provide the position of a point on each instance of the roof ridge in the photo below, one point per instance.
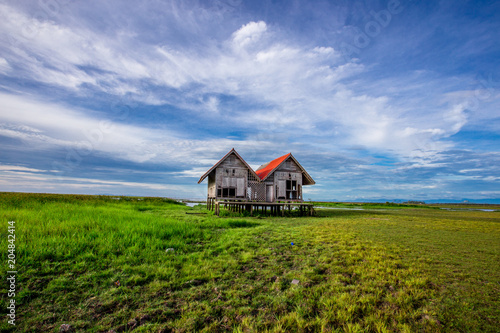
(221, 160)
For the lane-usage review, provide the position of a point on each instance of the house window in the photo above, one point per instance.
(229, 192)
(291, 190)
(226, 192)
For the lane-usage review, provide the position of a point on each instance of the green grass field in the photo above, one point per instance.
(103, 263)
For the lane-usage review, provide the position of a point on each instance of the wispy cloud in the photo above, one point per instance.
(200, 79)
(255, 63)
(18, 179)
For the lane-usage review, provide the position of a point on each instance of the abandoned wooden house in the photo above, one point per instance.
(283, 179)
(231, 179)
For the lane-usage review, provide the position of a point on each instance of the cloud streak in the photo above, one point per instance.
(193, 81)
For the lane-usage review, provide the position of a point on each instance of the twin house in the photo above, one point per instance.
(232, 179)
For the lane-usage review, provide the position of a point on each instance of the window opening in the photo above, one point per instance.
(227, 192)
(291, 190)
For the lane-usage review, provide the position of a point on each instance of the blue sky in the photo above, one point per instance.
(376, 99)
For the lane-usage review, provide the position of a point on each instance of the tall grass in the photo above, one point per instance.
(150, 264)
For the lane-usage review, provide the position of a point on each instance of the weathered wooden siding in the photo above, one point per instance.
(289, 165)
(211, 186)
(232, 178)
(289, 170)
(232, 173)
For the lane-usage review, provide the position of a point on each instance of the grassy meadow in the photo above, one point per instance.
(128, 264)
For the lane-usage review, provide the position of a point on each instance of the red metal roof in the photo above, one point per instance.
(262, 173)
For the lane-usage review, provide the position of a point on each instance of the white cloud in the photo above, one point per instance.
(302, 88)
(4, 65)
(18, 178)
(18, 168)
(57, 54)
(456, 117)
(249, 33)
(43, 124)
(211, 104)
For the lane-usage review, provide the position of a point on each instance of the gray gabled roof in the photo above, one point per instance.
(232, 151)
